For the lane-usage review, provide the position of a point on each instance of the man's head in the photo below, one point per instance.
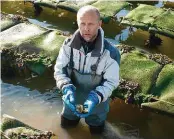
(88, 20)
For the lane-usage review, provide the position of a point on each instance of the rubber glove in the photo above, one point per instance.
(89, 104)
(68, 96)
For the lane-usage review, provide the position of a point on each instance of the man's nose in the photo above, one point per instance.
(86, 28)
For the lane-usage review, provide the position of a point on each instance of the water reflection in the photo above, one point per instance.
(139, 37)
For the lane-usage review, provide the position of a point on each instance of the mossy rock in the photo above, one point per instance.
(47, 3)
(31, 46)
(144, 14)
(136, 67)
(166, 28)
(47, 46)
(73, 6)
(164, 91)
(109, 8)
(8, 122)
(20, 32)
(136, 3)
(8, 21)
(38, 53)
(106, 8)
(151, 18)
(13, 128)
(165, 81)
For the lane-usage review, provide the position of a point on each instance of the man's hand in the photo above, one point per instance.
(68, 96)
(89, 104)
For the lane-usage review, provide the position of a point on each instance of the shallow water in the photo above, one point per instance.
(43, 111)
(34, 102)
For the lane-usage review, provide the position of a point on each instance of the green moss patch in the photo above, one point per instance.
(18, 33)
(136, 67)
(37, 53)
(109, 8)
(164, 91)
(73, 6)
(47, 44)
(165, 81)
(8, 21)
(47, 3)
(13, 128)
(151, 18)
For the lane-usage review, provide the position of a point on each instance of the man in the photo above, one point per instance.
(87, 71)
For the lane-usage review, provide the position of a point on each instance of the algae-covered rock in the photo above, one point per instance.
(74, 6)
(167, 27)
(142, 15)
(151, 18)
(18, 33)
(164, 91)
(46, 46)
(13, 128)
(147, 80)
(161, 59)
(29, 47)
(36, 54)
(125, 48)
(8, 21)
(109, 8)
(137, 68)
(46, 3)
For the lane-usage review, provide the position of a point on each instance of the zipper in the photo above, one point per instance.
(84, 63)
(79, 60)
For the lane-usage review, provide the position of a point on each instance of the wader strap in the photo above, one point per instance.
(71, 63)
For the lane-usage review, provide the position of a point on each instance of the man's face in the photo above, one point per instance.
(89, 24)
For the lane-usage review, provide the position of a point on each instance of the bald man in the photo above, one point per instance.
(87, 71)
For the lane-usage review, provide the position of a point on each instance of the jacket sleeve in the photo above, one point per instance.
(110, 78)
(59, 68)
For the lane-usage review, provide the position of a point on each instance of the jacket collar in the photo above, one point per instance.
(99, 43)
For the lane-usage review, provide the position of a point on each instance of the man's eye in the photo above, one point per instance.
(91, 24)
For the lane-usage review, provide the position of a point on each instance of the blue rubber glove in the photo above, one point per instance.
(68, 96)
(89, 104)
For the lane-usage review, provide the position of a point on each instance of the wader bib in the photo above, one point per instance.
(84, 83)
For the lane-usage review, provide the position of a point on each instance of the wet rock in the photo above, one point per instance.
(125, 48)
(129, 89)
(66, 33)
(14, 129)
(15, 18)
(18, 62)
(142, 17)
(159, 58)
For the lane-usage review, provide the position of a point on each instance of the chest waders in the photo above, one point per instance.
(84, 83)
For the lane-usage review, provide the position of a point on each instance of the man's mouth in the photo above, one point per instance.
(86, 34)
